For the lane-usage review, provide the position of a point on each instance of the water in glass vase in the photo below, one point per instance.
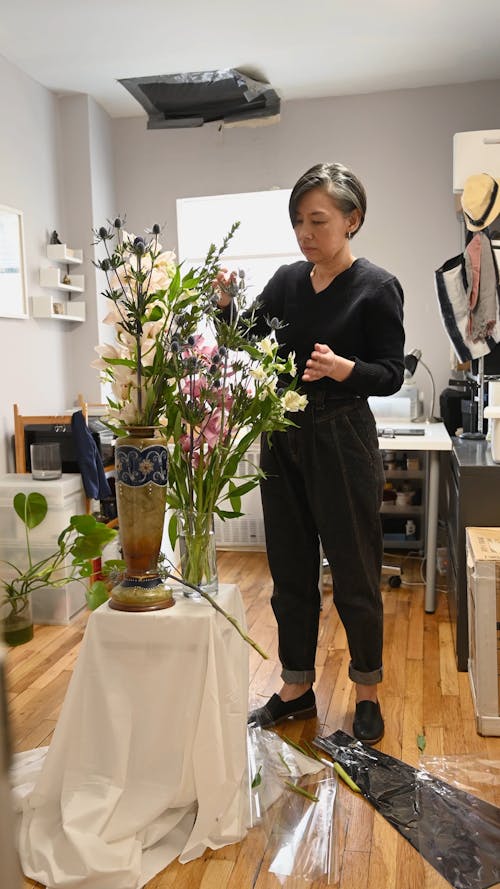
(17, 620)
(198, 554)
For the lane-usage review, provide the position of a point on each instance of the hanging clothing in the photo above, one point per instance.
(468, 293)
(89, 459)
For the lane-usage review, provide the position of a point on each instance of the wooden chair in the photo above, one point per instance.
(91, 408)
(20, 423)
(60, 421)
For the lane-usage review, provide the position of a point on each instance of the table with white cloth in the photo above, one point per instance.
(148, 760)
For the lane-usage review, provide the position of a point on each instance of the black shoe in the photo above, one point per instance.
(368, 724)
(276, 710)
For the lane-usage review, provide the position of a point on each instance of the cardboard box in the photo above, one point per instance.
(483, 598)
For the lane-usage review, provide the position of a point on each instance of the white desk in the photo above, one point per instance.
(148, 760)
(435, 439)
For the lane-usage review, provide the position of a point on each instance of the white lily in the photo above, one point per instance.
(292, 401)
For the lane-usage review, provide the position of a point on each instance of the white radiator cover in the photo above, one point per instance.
(247, 532)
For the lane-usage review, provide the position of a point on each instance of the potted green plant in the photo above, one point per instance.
(77, 545)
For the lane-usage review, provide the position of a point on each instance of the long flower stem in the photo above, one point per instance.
(232, 620)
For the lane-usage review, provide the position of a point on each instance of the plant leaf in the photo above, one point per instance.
(421, 742)
(257, 779)
(31, 509)
(172, 530)
(96, 595)
(83, 523)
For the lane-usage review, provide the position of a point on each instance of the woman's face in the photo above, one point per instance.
(320, 227)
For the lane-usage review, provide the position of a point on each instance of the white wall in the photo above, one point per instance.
(59, 159)
(56, 166)
(399, 143)
(88, 189)
(32, 359)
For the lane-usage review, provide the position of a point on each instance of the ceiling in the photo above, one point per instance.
(303, 48)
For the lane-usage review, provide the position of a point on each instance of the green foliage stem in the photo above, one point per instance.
(81, 541)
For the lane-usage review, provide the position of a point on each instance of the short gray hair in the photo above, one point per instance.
(339, 182)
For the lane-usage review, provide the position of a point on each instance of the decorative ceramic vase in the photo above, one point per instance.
(17, 619)
(198, 555)
(141, 459)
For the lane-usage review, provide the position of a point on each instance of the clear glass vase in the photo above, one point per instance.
(17, 619)
(197, 551)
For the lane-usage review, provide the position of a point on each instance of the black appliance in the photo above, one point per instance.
(43, 433)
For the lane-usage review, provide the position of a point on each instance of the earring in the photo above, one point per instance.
(348, 235)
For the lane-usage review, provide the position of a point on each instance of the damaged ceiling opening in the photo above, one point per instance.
(190, 100)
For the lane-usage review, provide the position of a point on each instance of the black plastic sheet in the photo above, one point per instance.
(194, 98)
(456, 832)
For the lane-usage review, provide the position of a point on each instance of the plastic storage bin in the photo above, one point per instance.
(65, 497)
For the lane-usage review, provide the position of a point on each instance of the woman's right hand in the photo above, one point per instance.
(224, 287)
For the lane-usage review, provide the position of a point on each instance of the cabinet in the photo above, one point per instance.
(472, 492)
(66, 282)
(403, 511)
(483, 602)
(408, 478)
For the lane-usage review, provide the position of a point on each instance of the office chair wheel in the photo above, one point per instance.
(395, 581)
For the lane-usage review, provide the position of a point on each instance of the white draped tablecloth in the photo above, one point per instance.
(148, 759)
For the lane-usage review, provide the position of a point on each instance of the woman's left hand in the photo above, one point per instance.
(325, 363)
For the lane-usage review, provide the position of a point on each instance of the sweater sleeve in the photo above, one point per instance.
(381, 371)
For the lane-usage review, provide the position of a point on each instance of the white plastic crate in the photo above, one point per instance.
(247, 532)
(65, 497)
(59, 606)
(483, 595)
(50, 606)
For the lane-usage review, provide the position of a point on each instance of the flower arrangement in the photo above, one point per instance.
(152, 303)
(214, 392)
(179, 363)
(228, 392)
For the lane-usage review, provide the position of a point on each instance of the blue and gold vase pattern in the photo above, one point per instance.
(137, 467)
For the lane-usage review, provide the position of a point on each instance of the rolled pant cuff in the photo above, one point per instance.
(365, 678)
(297, 677)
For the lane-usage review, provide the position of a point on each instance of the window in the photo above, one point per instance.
(263, 242)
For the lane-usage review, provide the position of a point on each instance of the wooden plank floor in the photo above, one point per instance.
(422, 693)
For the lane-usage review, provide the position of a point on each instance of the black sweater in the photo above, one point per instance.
(359, 315)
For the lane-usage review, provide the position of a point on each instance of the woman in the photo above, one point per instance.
(343, 318)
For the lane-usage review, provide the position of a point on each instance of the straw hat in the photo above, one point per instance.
(480, 201)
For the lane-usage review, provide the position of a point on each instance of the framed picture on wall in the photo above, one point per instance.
(13, 297)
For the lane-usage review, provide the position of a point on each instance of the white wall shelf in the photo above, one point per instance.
(63, 253)
(49, 307)
(53, 278)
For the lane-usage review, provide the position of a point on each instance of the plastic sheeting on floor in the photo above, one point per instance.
(455, 831)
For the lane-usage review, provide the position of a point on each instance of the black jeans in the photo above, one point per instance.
(324, 482)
